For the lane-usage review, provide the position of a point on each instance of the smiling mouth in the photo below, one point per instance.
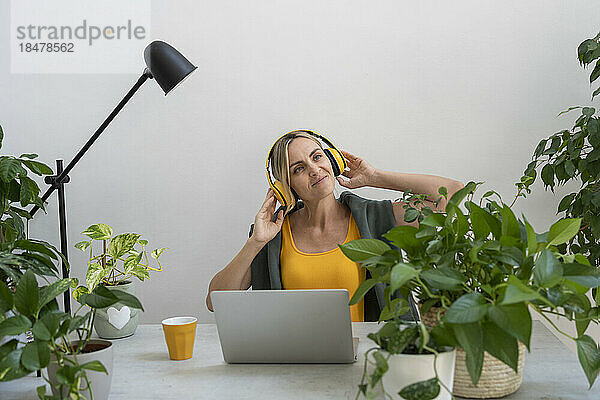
(319, 181)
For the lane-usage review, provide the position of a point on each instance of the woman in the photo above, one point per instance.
(297, 246)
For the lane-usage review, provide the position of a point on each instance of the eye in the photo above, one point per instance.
(317, 157)
(297, 169)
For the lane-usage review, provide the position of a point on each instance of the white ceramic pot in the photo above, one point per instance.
(99, 381)
(406, 369)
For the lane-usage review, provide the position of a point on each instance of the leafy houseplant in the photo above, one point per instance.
(574, 155)
(122, 258)
(402, 345)
(24, 305)
(484, 269)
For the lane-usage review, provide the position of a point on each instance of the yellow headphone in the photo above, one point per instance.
(338, 163)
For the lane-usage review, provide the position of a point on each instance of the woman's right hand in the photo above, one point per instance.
(264, 227)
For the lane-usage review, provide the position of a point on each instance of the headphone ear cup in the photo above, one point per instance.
(337, 160)
(279, 193)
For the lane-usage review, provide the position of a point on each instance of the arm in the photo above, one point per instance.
(361, 173)
(417, 183)
(236, 275)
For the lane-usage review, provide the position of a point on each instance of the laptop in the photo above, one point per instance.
(284, 326)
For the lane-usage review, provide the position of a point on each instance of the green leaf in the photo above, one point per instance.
(583, 275)
(126, 299)
(131, 262)
(101, 297)
(37, 167)
(596, 92)
(10, 168)
(94, 275)
(517, 292)
(140, 272)
(547, 270)
(50, 292)
(443, 278)
(401, 338)
(361, 290)
(362, 249)
(532, 243)
(548, 175)
(514, 319)
(401, 273)
(36, 355)
(156, 253)
(435, 219)
(500, 344)
(27, 294)
(411, 214)
(99, 232)
(404, 236)
(460, 195)
(122, 244)
(83, 245)
(94, 366)
(6, 298)
(30, 156)
(589, 357)
(424, 390)
(595, 74)
(470, 338)
(14, 325)
(510, 225)
(470, 307)
(29, 190)
(563, 231)
(40, 331)
(66, 374)
(10, 366)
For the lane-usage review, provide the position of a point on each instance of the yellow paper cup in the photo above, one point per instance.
(180, 333)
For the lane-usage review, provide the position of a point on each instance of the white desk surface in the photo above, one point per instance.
(143, 370)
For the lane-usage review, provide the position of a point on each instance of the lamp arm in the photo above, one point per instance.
(61, 177)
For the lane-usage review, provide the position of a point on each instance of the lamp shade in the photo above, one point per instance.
(168, 66)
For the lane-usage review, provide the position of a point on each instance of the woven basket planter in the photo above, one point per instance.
(497, 379)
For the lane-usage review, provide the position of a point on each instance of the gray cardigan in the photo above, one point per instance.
(373, 218)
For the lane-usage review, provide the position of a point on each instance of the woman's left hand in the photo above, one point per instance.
(360, 173)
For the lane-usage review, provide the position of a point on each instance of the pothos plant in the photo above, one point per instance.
(485, 269)
(122, 257)
(574, 155)
(25, 305)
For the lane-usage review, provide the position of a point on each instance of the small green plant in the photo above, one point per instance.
(485, 269)
(28, 307)
(122, 257)
(400, 337)
(574, 155)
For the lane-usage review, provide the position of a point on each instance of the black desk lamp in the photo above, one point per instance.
(169, 68)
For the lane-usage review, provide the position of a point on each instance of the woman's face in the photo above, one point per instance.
(311, 174)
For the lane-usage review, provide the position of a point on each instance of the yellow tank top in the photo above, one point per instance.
(327, 270)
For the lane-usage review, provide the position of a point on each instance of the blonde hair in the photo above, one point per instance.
(280, 163)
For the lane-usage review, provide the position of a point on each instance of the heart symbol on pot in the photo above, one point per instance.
(118, 318)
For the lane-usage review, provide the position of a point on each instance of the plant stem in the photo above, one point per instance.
(552, 323)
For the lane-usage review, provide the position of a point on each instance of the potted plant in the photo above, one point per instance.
(25, 306)
(407, 361)
(484, 270)
(121, 258)
(574, 155)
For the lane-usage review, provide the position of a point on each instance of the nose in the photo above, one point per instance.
(313, 169)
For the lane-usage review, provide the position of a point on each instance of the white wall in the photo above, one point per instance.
(463, 89)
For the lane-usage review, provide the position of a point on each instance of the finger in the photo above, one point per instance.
(348, 174)
(343, 182)
(266, 204)
(279, 221)
(269, 193)
(349, 156)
